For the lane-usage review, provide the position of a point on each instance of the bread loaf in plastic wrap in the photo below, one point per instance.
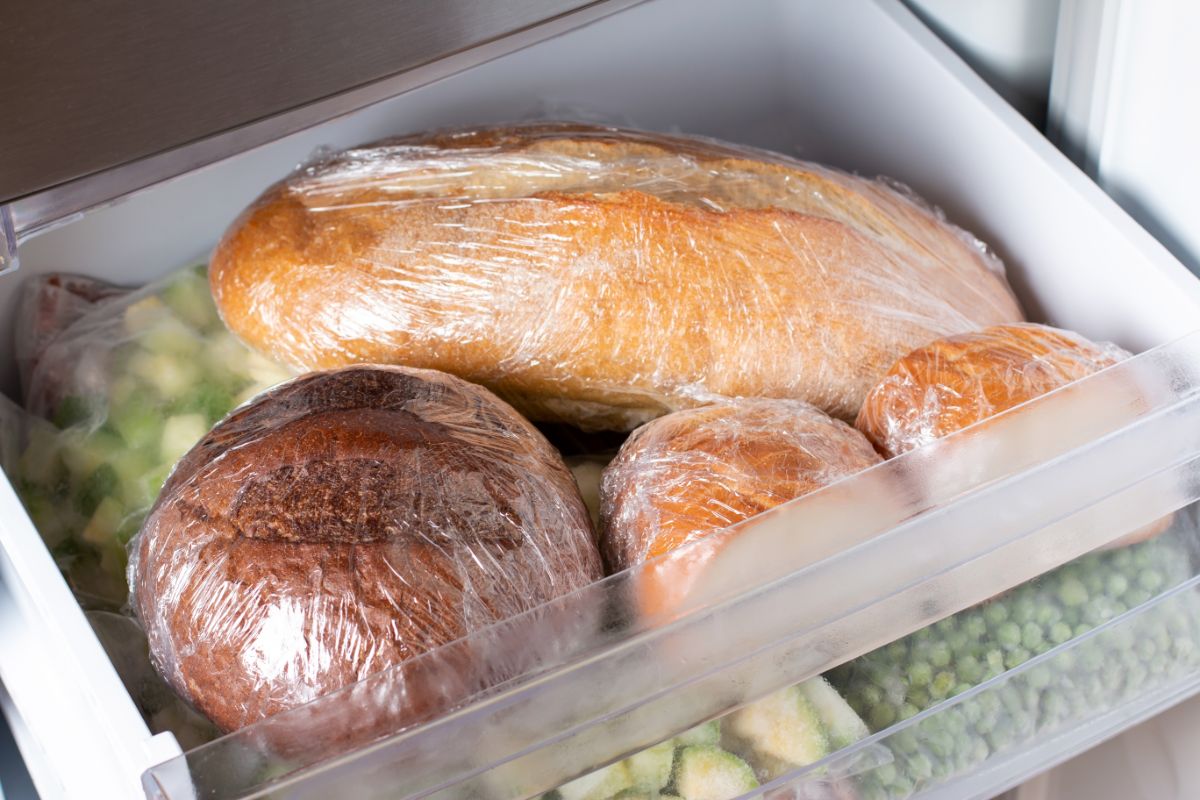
(343, 523)
(685, 475)
(954, 382)
(962, 380)
(601, 277)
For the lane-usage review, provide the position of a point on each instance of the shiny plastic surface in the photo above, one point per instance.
(342, 523)
(119, 384)
(862, 575)
(948, 384)
(601, 276)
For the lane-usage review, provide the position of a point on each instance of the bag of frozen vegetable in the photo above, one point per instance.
(129, 384)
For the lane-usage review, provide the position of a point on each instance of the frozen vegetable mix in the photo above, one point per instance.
(130, 383)
(983, 644)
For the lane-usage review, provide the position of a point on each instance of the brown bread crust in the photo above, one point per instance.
(954, 382)
(685, 475)
(962, 380)
(344, 523)
(601, 277)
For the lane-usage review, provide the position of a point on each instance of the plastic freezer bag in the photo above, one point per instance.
(121, 392)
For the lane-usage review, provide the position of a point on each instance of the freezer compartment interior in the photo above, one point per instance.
(861, 85)
(852, 568)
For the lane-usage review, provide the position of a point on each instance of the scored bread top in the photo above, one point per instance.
(601, 277)
(343, 523)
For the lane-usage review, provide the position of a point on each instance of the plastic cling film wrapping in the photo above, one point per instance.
(601, 277)
(123, 383)
(47, 307)
(952, 383)
(345, 522)
(688, 474)
(949, 384)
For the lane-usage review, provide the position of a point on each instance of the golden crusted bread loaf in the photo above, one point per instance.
(601, 277)
(687, 474)
(954, 382)
(346, 522)
(951, 383)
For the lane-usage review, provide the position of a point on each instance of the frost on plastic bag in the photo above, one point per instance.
(601, 277)
(47, 307)
(951, 383)
(688, 474)
(125, 388)
(346, 522)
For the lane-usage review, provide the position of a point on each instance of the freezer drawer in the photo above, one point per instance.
(861, 85)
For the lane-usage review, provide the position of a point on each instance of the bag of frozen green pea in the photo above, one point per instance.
(130, 383)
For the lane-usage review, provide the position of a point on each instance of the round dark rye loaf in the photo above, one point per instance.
(345, 522)
(601, 277)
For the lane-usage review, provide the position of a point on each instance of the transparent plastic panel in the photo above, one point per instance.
(1129, 662)
(787, 596)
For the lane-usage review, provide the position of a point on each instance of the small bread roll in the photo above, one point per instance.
(346, 522)
(961, 380)
(954, 382)
(683, 476)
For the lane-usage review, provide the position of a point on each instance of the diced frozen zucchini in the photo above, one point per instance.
(598, 785)
(171, 376)
(143, 314)
(172, 337)
(189, 297)
(651, 768)
(264, 371)
(706, 772)
(132, 468)
(73, 410)
(708, 733)
(777, 733)
(842, 726)
(209, 398)
(180, 433)
(139, 423)
(47, 516)
(101, 529)
(83, 452)
(41, 463)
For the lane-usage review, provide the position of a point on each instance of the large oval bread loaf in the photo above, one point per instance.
(601, 277)
(346, 522)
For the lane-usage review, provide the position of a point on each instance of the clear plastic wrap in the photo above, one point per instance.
(601, 277)
(685, 475)
(951, 383)
(343, 523)
(123, 383)
(47, 307)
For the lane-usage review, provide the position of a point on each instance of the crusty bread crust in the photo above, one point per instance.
(685, 475)
(601, 277)
(963, 380)
(344, 523)
(951, 383)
